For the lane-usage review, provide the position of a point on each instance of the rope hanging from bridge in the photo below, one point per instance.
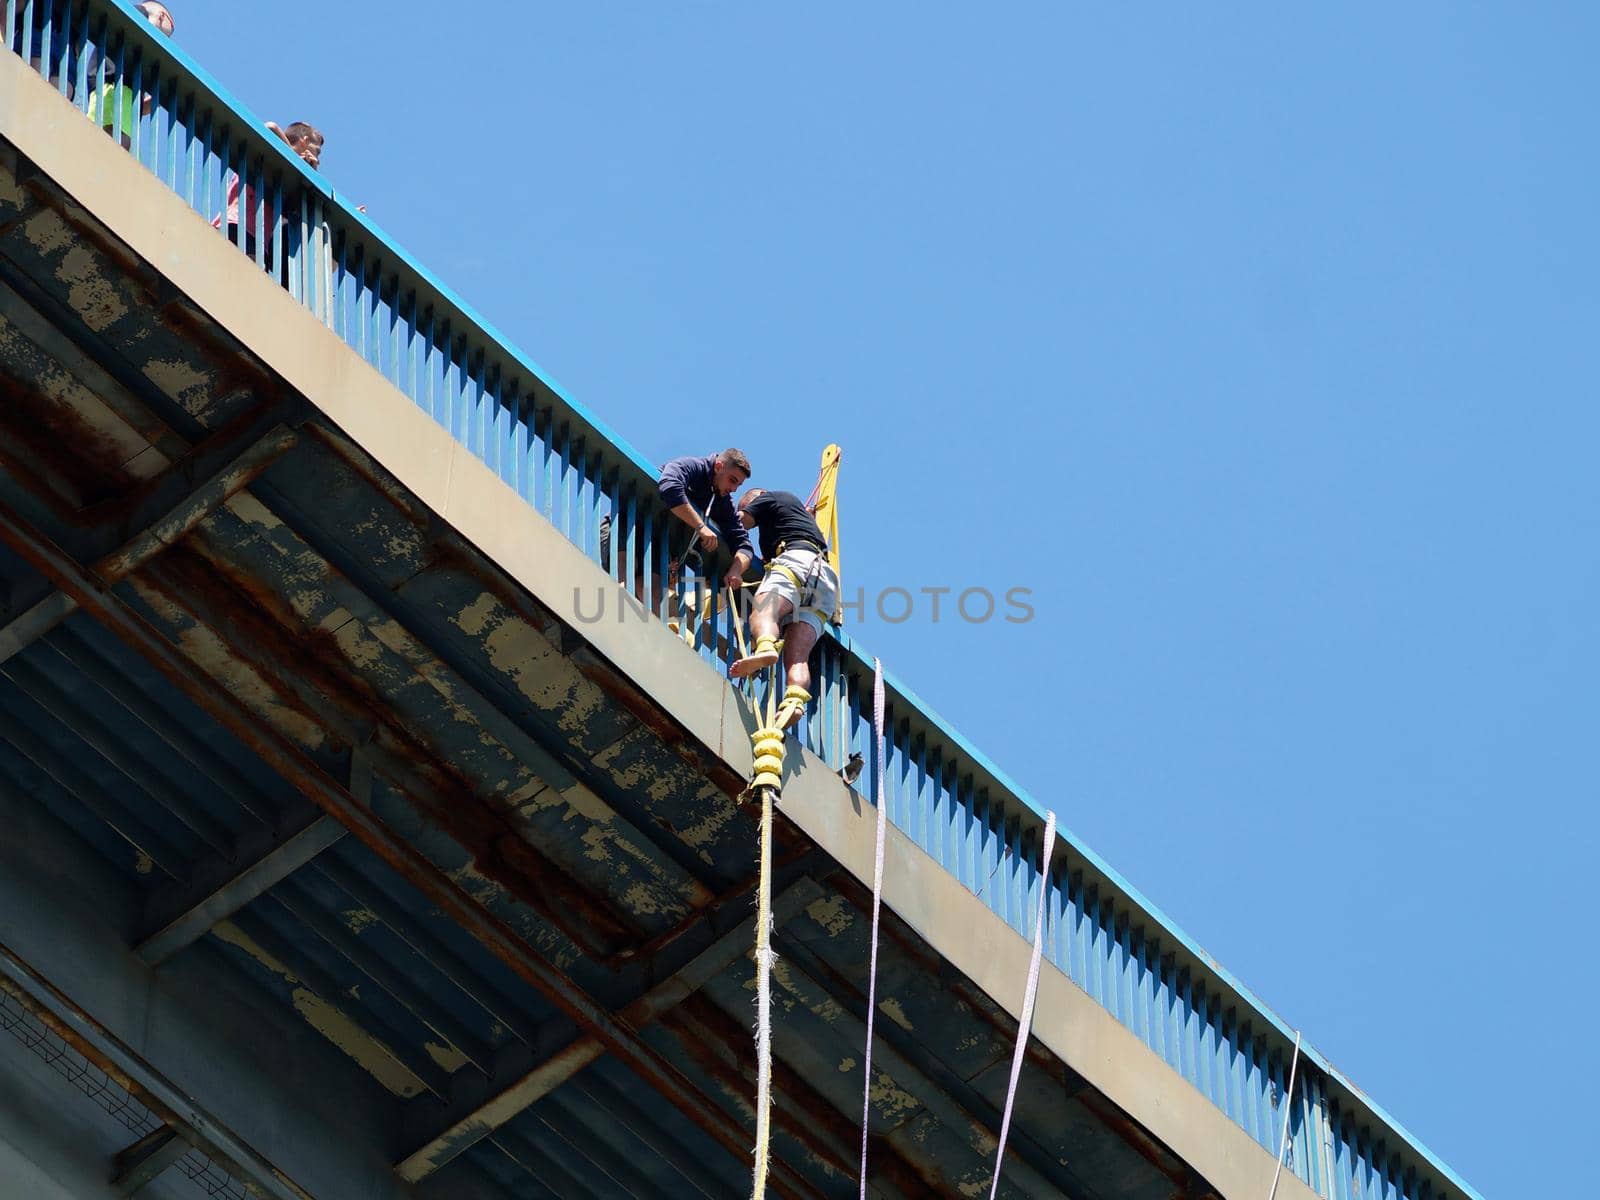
(878, 800)
(1288, 1109)
(1028, 997)
(767, 781)
(765, 738)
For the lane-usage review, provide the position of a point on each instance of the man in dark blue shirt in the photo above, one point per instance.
(697, 488)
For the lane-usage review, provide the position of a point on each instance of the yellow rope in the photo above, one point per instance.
(767, 780)
(738, 621)
(764, 958)
(795, 699)
(768, 742)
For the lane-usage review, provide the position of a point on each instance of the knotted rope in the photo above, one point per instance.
(767, 780)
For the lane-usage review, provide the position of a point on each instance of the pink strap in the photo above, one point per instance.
(1027, 1002)
(880, 802)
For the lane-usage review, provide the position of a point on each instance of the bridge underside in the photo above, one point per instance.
(333, 856)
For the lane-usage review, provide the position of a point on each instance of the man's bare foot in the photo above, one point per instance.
(759, 661)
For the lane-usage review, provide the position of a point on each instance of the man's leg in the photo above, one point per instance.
(770, 611)
(798, 641)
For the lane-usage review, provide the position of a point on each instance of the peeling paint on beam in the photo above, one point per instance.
(567, 1062)
(261, 451)
(38, 329)
(963, 1116)
(226, 619)
(319, 1001)
(286, 758)
(457, 1038)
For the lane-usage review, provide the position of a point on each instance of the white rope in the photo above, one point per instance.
(1288, 1110)
(1028, 998)
(880, 801)
(764, 957)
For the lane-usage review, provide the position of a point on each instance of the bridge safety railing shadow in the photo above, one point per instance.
(117, 69)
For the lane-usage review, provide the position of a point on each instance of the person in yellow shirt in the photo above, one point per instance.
(114, 106)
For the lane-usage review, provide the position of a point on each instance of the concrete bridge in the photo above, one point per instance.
(366, 836)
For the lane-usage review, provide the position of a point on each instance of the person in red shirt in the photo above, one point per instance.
(305, 140)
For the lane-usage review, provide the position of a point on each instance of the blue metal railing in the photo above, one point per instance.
(564, 462)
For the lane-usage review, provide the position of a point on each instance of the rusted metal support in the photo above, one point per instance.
(615, 1033)
(57, 347)
(147, 1158)
(171, 727)
(70, 777)
(428, 947)
(957, 1105)
(386, 975)
(486, 696)
(221, 886)
(179, 503)
(410, 1063)
(181, 1112)
(639, 967)
(468, 1130)
(719, 1045)
(89, 727)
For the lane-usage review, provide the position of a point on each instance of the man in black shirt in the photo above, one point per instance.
(800, 592)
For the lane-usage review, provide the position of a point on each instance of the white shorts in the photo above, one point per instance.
(820, 597)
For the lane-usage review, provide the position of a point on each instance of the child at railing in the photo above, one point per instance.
(305, 140)
(113, 105)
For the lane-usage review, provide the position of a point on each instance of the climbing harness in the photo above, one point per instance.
(1288, 1108)
(805, 586)
(1028, 997)
(877, 905)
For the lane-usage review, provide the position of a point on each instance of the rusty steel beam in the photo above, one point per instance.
(332, 991)
(171, 728)
(87, 726)
(451, 1031)
(430, 949)
(149, 1157)
(179, 503)
(529, 737)
(181, 1112)
(220, 887)
(56, 346)
(969, 1117)
(616, 1034)
(466, 1131)
(715, 1042)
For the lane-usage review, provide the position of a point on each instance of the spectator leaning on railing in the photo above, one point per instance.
(117, 97)
(305, 140)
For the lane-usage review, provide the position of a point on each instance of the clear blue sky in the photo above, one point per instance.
(1260, 342)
